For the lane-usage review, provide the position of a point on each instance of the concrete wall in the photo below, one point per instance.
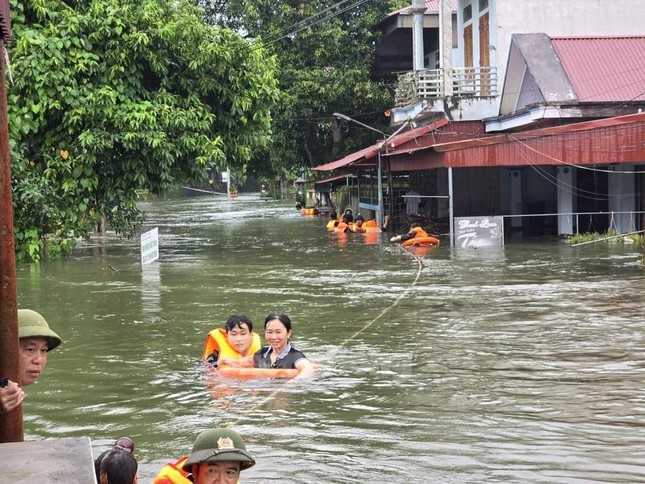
(553, 17)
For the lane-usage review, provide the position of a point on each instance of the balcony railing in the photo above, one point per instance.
(429, 84)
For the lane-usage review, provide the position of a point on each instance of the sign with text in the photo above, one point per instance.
(149, 246)
(479, 231)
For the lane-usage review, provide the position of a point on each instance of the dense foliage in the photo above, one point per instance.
(325, 51)
(113, 96)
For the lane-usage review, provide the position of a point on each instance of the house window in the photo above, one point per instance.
(468, 13)
(483, 5)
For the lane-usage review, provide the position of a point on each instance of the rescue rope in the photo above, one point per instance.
(293, 381)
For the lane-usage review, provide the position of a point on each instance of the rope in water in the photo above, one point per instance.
(293, 381)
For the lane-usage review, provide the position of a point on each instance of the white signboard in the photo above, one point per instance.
(149, 246)
(224, 176)
(479, 231)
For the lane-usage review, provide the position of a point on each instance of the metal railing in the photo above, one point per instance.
(429, 84)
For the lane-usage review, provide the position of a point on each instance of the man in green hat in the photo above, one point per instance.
(218, 457)
(36, 340)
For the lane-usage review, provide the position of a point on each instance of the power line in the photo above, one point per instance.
(302, 23)
(581, 167)
(311, 21)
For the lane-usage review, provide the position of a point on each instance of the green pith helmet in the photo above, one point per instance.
(219, 445)
(32, 325)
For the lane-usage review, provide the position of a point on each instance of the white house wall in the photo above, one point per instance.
(553, 17)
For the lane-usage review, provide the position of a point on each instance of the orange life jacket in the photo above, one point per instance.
(419, 232)
(172, 473)
(331, 225)
(216, 341)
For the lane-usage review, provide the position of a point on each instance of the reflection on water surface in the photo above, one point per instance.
(520, 364)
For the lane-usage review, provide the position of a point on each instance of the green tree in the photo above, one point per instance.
(113, 96)
(325, 51)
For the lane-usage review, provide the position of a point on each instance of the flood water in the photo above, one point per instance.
(519, 364)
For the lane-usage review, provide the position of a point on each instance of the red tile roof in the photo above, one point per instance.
(604, 68)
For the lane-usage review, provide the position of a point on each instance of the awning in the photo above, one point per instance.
(334, 178)
(601, 141)
(364, 158)
(367, 153)
(413, 134)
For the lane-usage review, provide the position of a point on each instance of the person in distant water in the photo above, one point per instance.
(218, 457)
(358, 224)
(36, 341)
(347, 216)
(229, 345)
(117, 466)
(415, 231)
(280, 353)
(333, 222)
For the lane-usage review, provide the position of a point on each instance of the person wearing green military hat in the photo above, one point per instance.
(36, 340)
(218, 457)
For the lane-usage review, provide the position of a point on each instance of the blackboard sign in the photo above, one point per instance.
(479, 231)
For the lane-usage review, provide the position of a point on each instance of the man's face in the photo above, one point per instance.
(221, 472)
(240, 338)
(33, 358)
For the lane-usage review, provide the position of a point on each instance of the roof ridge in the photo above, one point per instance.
(602, 37)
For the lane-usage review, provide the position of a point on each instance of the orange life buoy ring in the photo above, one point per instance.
(421, 241)
(311, 211)
(245, 373)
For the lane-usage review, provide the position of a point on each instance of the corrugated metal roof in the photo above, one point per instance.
(602, 141)
(369, 152)
(454, 131)
(604, 68)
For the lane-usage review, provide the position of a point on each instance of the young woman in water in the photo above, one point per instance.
(280, 353)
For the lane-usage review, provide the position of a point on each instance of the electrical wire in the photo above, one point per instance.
(581, 167)
(282, 33)
(309, 22)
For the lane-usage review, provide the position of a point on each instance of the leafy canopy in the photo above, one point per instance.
(114, 96)
(325, 53)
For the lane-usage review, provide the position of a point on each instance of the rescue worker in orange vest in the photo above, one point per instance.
(218, 456)
(231, 344)
(414, 232)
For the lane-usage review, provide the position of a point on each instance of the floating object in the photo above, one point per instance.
(309, 211)
(216, 341)
(421, 242)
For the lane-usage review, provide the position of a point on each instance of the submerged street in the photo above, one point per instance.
(517, 364)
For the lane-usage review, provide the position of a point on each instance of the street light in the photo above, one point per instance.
(386, 139)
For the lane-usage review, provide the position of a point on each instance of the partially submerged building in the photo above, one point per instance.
(534, 113)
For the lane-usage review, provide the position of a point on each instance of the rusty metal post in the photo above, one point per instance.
(11, 426)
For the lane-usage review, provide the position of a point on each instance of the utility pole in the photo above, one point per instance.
(418, 9)
(11, 425)
(445, 45)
